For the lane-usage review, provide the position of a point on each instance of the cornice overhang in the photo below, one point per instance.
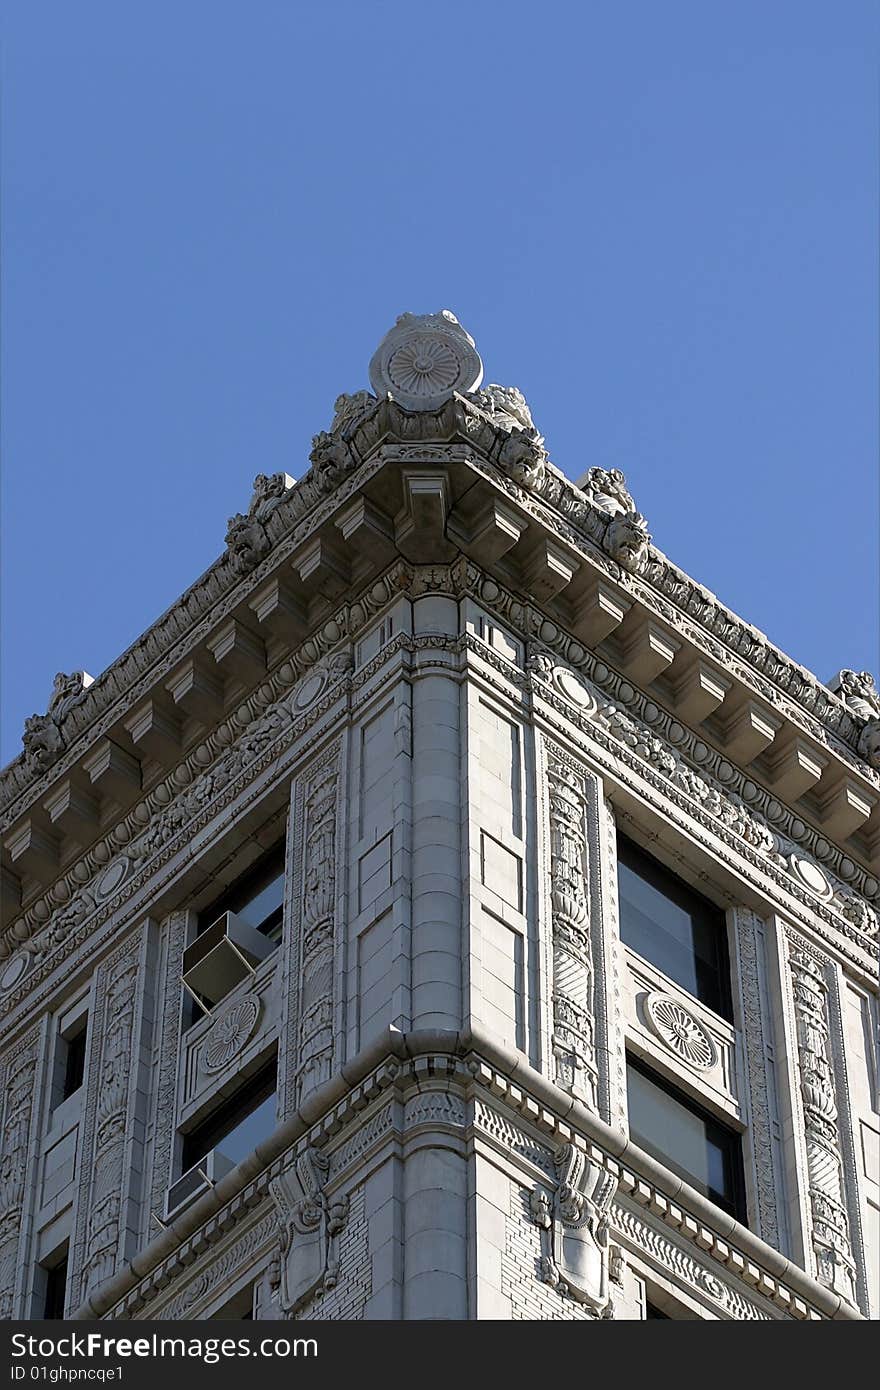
(387, 483)
(505, 1075)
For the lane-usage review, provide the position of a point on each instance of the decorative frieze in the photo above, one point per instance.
(317, 937)
(20, 1092)
(673, 1260)
(164, 1071)
(216, 1271)
(573, 1018)
(763, 1142)
(102, 1216)
(832, 1247)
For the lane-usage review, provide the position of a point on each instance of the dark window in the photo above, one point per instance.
(240, 1308)
(682, 1135)
(257, 898)
(238, 1126)
(56, 1289)
(74, 1061)
(675, 928)
(652, 1311)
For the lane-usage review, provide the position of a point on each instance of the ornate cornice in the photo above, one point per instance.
(282, 514)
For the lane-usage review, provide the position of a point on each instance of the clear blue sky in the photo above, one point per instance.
(658, 219)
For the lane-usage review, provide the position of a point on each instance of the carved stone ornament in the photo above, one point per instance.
(311, 1224)
(572, 1000)
(574, 1228)
(524, 457)
(43, 739)
(247, 539)
(682, 1033)
(859, 692)
(507, 405)
(230, 1032)
(607, 490)
(832, 1249)
(423, 359)
(627, 539)
(868, 746)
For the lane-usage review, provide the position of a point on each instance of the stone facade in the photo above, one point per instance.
(446, 679)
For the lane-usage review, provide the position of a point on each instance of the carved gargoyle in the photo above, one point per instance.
(247, 543)
(247, 539)
(43, 739)
(311, 1223)
(524, 457)
(574, 1228)
(627, 539)
(331, 460)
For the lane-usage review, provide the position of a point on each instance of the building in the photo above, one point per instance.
(447, 909)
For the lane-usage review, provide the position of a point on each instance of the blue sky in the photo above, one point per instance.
(659, 220)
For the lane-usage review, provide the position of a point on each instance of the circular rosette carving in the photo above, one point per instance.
(682, 1033)
(423, 367)
(423, 359)
(230, 1033)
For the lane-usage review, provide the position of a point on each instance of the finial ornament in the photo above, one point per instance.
(423, 359)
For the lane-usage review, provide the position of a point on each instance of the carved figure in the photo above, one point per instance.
(43, 742)
(247, 543)
(627, 539)
(524, 457)
(43, 739)
(331, 460)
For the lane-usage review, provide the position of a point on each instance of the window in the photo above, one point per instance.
(55, 1288)
(238, 1126)
(673, 927)
(69, 1065)
(240, 1308)
(74, 1061)
(257, 898)
(682, 1135)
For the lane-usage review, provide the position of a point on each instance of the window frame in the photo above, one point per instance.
(255, 1088)
(734, 1137)
(701, 909)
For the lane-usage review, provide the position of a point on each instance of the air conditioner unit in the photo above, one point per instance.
(223, 955)
(198, 1179)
